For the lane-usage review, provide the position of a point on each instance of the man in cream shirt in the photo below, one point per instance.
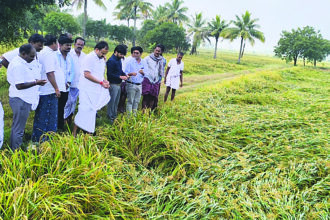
(24, 80)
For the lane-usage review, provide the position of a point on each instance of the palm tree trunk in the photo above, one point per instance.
(128, 22)
(216, 47)
(314, 62)
(240, 51)
(243, 49)
(134, 32)
(85, 19)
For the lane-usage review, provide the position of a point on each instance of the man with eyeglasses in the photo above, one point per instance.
(134, 68)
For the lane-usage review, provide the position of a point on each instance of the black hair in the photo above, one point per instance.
(26, 48)
(102, 44)
(161, 46)
(79, 38)
(49, 40)
(137, 48)
(36, 38)
(64, 39)
(121, 49)
(181, 53)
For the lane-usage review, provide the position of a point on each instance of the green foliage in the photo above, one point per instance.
(15, 15)
(57, 23)
(168, 34)
(305, 43)
(97, 29)
(134, 8)
(120, 33)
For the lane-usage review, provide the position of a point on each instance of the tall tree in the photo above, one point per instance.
(13, 17)
(216, 26)
(245, 29)
(124, 15)
(198, 29)
(176, 13)
(160, 14)
(135, 6)
(80, 3)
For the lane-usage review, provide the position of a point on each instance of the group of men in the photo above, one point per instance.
(48, 76)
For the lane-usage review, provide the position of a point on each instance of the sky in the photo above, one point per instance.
(274, 17)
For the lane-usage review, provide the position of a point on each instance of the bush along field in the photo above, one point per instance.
(254, 147)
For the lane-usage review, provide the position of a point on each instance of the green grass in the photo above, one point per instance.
(252, 147)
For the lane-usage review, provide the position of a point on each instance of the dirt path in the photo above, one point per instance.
(196, 81)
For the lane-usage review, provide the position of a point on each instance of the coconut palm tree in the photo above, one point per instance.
(124, 15)
(197, 27)
(245, 29)
(216, 26)
(160, 15)
(134, 6)
(176, 13)
(80, 3)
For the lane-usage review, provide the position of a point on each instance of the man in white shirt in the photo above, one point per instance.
(65, 64)
(46, 115)
(93, 89)
(36, 40)
(77, 56)
(174, 76)
(24, 82)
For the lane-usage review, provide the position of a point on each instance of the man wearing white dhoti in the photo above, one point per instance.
(93, 89)
(174, 76)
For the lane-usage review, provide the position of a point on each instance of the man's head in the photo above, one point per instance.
(65, 43)
(159, 49)
(101, 49)
(51, 42)
(137, 52)
(79, 44)
(179, 56)
(37, 41)
(120, 51)
(27, 52)
(69, 35)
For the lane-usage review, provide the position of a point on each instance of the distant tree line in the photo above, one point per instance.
(305, 43)
(168, 24)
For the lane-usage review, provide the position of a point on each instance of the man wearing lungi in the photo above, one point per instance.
(174, 76)
(93, 89)
(152, 75)
(46, 116)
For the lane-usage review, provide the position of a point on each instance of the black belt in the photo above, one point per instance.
(134, 83)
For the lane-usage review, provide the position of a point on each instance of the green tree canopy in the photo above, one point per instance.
(305, 43)
(57, 23)
(97, 29)
(168, 34)
(13, 16)
(120, 33)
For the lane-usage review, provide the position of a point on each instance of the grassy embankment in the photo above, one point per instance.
(256, 146)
